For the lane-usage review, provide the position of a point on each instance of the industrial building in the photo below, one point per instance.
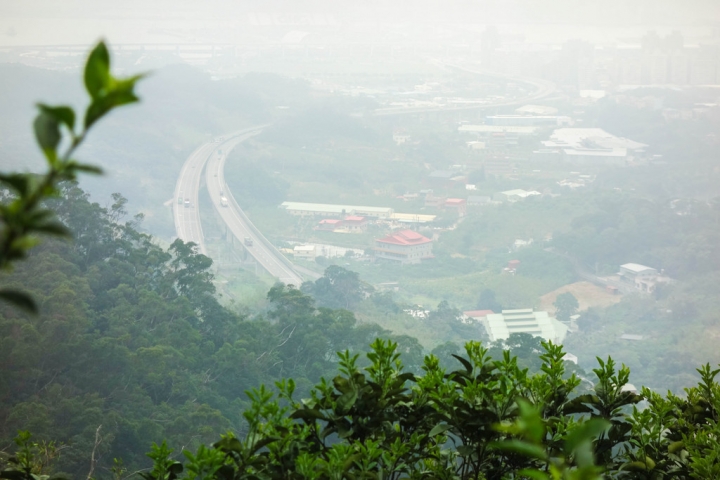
(500, 326)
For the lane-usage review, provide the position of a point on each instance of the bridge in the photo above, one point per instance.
(210, 158)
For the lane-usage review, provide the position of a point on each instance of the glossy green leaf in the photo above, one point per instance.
(47, 132)
(62, 114)
(97, 71)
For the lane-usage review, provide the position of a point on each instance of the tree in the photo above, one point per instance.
(487, 301)
(566, 306)
(338, 288)
(487, 419)
(22, 214)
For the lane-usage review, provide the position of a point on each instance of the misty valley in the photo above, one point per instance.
(338, 242)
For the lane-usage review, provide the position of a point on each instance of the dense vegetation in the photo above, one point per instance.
(132, 338)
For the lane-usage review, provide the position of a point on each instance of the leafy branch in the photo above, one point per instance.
(23, 216)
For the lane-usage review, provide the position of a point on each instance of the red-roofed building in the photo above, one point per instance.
(477, 314)
(404, 246)
(329, 224)
(458, 204)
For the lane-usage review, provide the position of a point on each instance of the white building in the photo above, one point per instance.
(305, 251)
(499, 326)
(590, 146)
(327, 209)
(514, 195)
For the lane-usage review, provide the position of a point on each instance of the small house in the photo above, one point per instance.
(305, 251)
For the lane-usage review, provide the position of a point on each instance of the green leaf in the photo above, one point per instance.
(102, 105)
(97, 71)
(584, 432)
(466, 364)
(521, 448)
(347, 400)
(82, 167)
(18, 181)
(13, 475)
(308, 414)
(20, 299)
(438, 429)
(47, 132)
(62, 114)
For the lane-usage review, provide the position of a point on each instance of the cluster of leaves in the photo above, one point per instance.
(23, 216)
(488, 419)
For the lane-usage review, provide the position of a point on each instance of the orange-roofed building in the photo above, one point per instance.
(404, 246)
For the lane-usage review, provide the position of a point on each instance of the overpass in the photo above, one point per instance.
(211, 157)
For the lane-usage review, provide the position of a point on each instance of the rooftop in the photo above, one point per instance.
(520, 193)
(405, 237)
(536, 110)
(478, 313)
(332, 208)
(636, 267)
(412, 218)
(579, 138)
(500, 325)
(497, 129)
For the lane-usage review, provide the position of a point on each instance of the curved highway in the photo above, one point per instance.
(211, 156)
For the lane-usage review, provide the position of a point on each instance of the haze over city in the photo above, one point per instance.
(530, 180)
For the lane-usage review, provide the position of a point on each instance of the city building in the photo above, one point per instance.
(307, 252)
(643, 278)
(528, 120)
(478, 200)
(514, 195)
(457, 204)
(404, 246)
(350, 224)
(412, 218)
(590, 145)
(478, 315)
(354, 224)
(500, 326)
(329, 224)
(325, 209)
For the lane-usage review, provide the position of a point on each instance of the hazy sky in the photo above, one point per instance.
(37, 22)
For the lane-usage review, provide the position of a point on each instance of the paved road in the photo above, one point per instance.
(188, 225)
(240, 225)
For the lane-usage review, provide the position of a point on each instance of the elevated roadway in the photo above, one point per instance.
(210, 158)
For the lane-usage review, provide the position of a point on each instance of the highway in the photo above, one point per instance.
(210, 157)
(240, 225)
